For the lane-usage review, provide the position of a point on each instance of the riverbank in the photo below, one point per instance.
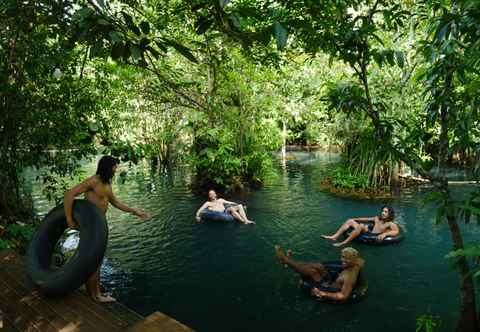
(356, 193)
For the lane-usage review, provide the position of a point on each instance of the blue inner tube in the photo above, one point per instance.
(216, 215)
(372, 238)
(335, 268)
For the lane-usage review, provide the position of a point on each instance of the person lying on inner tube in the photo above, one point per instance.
(352, 264)
(384, 226)
(220, 205)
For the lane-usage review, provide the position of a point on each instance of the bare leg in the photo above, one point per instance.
(315, 271)
(347, 224)
(356, 232)
(91, 285)
(93, 289)
(241, 211)
(237, 216)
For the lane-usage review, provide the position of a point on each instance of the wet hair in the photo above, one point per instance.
(350, 251)
(105, 168)
(391, 213)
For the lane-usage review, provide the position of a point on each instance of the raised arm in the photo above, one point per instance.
(70, 195)
(121, 206)
(365, 218)
(227, 202)
(197, 215)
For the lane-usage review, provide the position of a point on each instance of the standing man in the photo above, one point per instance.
(98, 190)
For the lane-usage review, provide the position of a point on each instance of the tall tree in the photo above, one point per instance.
(349, 31)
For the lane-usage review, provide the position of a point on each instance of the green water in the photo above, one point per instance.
(225, 277)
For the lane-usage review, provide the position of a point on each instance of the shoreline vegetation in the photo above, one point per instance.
(225, 85)
(357, 193)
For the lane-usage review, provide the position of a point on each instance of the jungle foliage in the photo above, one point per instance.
(222, 85)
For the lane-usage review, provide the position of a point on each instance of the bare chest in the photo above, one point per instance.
(381, 227)
(215, 206)
(99, 195)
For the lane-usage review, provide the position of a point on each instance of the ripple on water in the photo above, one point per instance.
(213, 275)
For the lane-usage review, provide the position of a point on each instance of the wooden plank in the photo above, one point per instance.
(35, 302)
(95, 311)
(6, 257)
(122, 312)
(158, 322)
(26, 310)
(7, 326)
(83, 303)
(69, 307)
(19, 313)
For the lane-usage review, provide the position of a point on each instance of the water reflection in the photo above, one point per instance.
(224, 277)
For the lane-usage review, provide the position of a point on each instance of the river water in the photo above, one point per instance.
(225, 277)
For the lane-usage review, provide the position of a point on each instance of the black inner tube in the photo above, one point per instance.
(53, 281)
(372, 238)
(335, 268)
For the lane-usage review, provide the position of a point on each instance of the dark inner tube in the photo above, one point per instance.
(53, 281)
(335, 268)
(207, 214)
(372, 238)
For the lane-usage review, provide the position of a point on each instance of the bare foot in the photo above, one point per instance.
(249, 222)
(339, 244)
(329, 237)
(104, 299)
(281, 256)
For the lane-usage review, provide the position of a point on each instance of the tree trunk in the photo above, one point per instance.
(468, 311)
(284, 140)
(468, 316)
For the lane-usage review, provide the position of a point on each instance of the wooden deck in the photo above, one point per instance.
(22, 309)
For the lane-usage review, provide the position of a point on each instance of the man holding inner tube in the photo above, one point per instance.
(346, 280)
(98, 190)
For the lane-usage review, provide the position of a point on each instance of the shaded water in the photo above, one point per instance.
(225, 277)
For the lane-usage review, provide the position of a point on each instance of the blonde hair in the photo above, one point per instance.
(350, 251)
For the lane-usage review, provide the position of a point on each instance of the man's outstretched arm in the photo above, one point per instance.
(365, 218)
(224, 201)
(123, 207)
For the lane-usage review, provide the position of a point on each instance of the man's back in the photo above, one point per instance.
(98, 193)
